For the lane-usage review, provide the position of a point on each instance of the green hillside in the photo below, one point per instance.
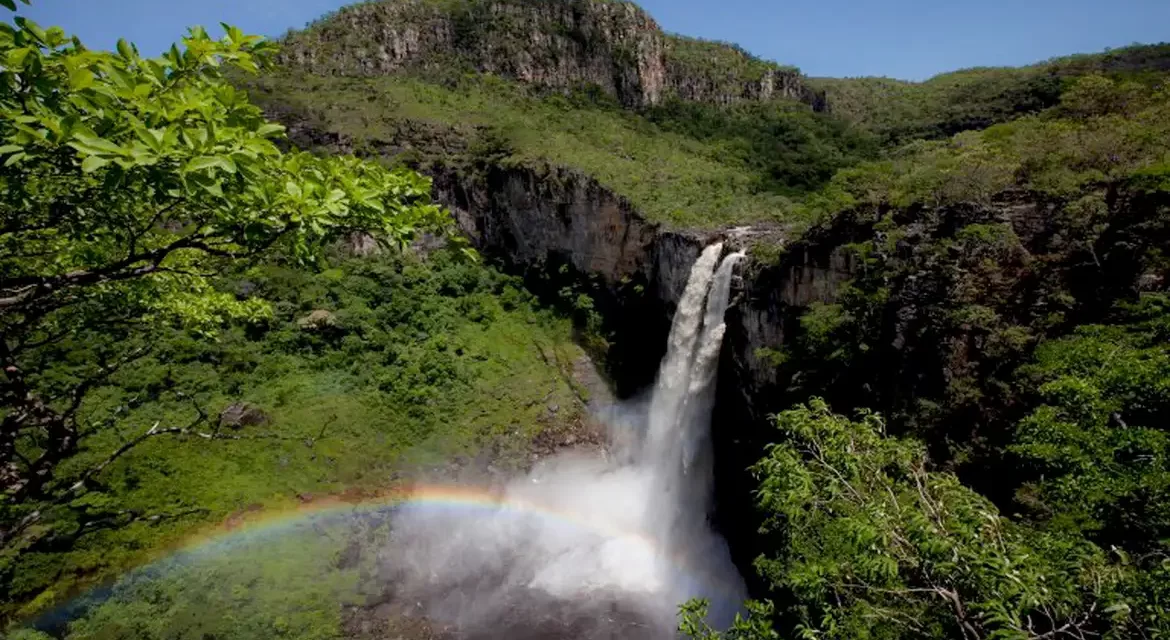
(681, 163)
(695, 163)
(949, 103)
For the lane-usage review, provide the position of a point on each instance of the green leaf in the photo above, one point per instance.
(125, 49)
(94, 145)
(269, 129)
(234, 35)
(55, 36)
(31, 27)
(8, 4)
(16, 57)
(80, 79)
(15, 158)
(202, 163)
(93, 163)
(10, 148)
(214, 188)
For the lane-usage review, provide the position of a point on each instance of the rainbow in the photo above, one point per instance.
(263, 522)
(266, 521)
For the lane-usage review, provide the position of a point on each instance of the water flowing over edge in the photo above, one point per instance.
(652, 496)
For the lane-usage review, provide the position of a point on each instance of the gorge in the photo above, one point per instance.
(888, 357)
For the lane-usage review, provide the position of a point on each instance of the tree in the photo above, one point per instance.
(868, 543)
(754, 626)
(1096, 447)
(126, 185)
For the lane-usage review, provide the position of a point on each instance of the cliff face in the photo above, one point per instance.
(528, 219)
(561, 229)
(555, 44)
(557, 227)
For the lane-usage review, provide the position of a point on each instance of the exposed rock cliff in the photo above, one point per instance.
(562, 229)
(555, 44)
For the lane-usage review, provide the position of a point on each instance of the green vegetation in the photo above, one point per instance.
(720, 68)
(708, 153)
(866, 541)
(126, 184)
(786, 147)
(679, 171)
(942, 106)
(287, 583)
(1007, 315)
(949, 103)
(418, 363)
(1094, 445)
(1103, 132)
(191, 339)
(694, 164)
(952, 285)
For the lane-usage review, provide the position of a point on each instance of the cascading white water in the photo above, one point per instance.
(663, 442)
(701, 393)
(589, 548)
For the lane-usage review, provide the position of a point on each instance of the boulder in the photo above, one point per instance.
(318, 320)
(242, 414)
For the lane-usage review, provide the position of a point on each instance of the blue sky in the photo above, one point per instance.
(911, 39)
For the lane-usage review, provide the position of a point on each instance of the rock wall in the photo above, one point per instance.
(555, 44)
(561, 229)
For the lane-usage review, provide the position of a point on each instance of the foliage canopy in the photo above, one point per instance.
(127, 185)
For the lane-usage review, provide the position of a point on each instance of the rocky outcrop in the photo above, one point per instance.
(555, 44)
(529, 218)
(242, 414)
(563, 231)
(767, 315)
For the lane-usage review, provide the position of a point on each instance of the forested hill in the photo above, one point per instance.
(977, 98)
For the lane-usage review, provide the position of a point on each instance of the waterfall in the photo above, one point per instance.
(591, 547)
(666, 429)
(677, 443)
(701, 392)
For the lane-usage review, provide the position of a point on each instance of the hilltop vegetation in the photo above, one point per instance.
(713, 150)
(693, 133)
(949, 103)
(682, 163)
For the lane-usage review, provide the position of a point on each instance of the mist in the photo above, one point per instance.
(590, 545)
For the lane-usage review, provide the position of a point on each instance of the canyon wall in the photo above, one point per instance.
(559, 44)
